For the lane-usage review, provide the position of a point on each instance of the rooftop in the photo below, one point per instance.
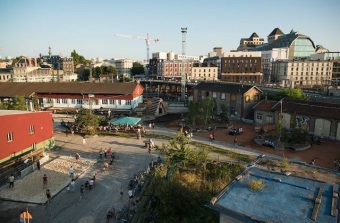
(13, 112)
(283, 199)
(9, 89)
(224, 87)
(276, 31)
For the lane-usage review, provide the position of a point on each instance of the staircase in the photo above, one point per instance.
(153, 106)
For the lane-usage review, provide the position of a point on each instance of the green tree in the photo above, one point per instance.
(17, 103)
(87, 121)
(3, 105)
(206, 109)
(225, 113)
(137, 69)
(96, 72)
(193, 114)
(291, 93)
(79, 59)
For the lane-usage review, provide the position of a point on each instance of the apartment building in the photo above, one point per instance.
(241, 67)
(302, 73)
(202, 72)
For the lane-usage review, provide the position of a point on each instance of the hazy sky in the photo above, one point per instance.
(28, 27)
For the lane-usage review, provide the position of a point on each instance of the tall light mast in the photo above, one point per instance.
(183, 75)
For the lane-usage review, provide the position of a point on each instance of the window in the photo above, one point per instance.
(259, 116)
(119, 102)
(214, 95)
(112, 101)
(128, 102)
(73, 101)
(64, 101)
(31, 129)
(247, 98)
(10, 137)
(79, 101)
(58, 101)
(104, 101)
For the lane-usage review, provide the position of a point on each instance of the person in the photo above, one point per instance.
(130, 193)
(71, 172)
(11, 181)
(73, 185)
(152, 144)
(77, 156)
(81, 191)
(101, 153)
(150, 125)
(38, 164)
(111, 161)
(48, 195)
(211, 137)
(105, 153)
(84, 140)
(44, 181)
(87, 185)
(153, 125)
(91, 184)
(313, 162)
(235, 140)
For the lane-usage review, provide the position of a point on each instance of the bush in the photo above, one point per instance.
(284, 163)
(256, 185)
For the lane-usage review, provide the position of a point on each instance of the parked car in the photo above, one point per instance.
(235, 131)
(269, 143)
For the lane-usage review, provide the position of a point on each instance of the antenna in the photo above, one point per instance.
(184, 31)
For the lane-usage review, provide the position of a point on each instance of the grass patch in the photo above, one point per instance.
(154, 136)
(284, 163)
(237, 156)
(256, 185)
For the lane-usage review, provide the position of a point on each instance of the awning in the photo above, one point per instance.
(126, 121)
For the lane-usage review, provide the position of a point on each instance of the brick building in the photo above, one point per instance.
(241, 67)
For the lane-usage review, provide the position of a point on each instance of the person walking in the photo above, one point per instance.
(72, 185)
(71, 172)
(81, 191)
(44, 181)
(38, 164)
(48, 196)
(84, 140)
(11, 181)
(235, 140)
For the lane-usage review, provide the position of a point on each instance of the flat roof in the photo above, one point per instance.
(283, 198)
(15, 112)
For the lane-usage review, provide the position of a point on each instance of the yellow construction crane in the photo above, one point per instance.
(148, 39)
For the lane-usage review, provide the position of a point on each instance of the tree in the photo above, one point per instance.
(225, 113)
(291, 93)
(193, 114)
(79, 59)
(206, 109)
(17, 103)
(87, 121)
(137, 69)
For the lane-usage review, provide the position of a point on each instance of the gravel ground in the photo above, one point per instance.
(30, 188)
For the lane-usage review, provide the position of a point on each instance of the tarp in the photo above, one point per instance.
(126, 121)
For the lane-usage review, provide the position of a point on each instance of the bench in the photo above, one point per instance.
(317, 203)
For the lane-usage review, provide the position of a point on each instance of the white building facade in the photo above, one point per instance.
(302, 73)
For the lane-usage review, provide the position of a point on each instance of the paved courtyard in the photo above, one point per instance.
(67, 206)
(30, 188)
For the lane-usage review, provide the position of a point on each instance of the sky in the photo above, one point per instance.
(29, 27)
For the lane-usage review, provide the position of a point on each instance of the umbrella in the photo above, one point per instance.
(126, 121)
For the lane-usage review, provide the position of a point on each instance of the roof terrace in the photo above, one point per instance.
(283, 199)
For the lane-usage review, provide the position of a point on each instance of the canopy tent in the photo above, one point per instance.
(126, 121)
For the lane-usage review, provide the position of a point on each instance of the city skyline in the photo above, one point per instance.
(30, 27)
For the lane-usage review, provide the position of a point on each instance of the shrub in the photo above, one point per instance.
(284, 163)
(256, 185)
